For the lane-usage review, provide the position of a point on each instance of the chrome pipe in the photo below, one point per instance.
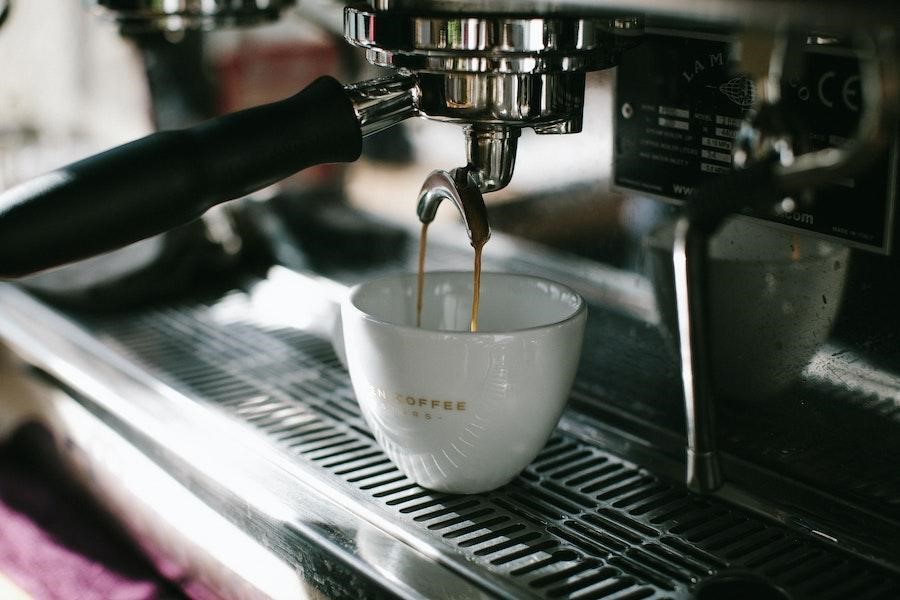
(382, 103)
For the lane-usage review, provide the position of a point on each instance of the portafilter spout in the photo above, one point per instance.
(460, 187)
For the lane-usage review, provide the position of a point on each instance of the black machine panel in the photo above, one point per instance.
(679, 104)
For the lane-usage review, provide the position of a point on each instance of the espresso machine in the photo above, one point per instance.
(724, 199)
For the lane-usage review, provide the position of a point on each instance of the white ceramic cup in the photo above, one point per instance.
(457, 411)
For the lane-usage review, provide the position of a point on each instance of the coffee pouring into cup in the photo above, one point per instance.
(460, 410)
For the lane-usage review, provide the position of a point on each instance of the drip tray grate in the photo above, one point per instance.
(578, 523)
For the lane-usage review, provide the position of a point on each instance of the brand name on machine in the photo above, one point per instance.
(709, 61)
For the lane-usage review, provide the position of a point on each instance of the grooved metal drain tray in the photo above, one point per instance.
(578, 523)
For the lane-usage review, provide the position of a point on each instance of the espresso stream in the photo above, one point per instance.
(420, 281)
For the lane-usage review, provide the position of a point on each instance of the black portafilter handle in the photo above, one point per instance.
(169, 178)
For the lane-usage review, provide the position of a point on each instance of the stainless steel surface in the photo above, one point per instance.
(480, 99)
(511, 99)
(491, 153)
(188, 540)
(837, 15)
(278, 424)
(704, 472)
(464, 43)
(208, 498)
(460, 187)
(382, 103)
(136, 16)
(494, 73)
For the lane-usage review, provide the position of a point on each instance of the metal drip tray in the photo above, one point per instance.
(580, 522)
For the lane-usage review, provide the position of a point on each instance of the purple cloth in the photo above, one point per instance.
(55, 544)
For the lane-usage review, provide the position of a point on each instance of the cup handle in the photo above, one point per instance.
(337, 337)
(323, 302)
